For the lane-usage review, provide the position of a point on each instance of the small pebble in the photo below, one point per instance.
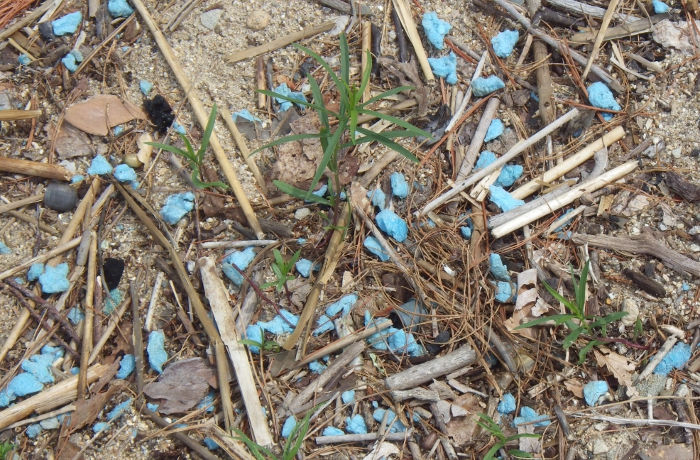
(210, 19)
(302, 213)
(257, 20)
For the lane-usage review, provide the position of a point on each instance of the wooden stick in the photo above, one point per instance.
(58, 395)
(26, 20)
(218, 297)
(89, 314)
(512, 153)
(20, 203)
(33, 168)
(583, 9)
(350, 438)
(468, 94)
(544, 78)
(568, 198)
(626, 30)
(33, 221)
(612, 6)
(203, 117)
(570, 163)
(344, 7)
(245, 152)
(114, 319)
(10, 115)
(478, 138)
(403, 9)
(138, 336)
(279, 43)
(261, 81)
(366, 46)
(425, 372)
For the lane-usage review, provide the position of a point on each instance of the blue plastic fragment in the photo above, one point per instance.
(119, 8)
(54, 279)
(332, 431)
(466, 232)
(179, 128)
(660, 7)
(240, 259)
(118, 130)
(324, 325)
(145, 86)
(393, 225)
(23, 384)
(317, 367)
(504, 42)
(342, 306)
(33, 430)
(152, 407)
(504, 292)
(435, 29)
(99, 166)
(279, 325)
(528, 414)
(76, 315)
(124, 173)
(348, 396)
(507, 404)
(24, 59)
(378, 198)
(157, 356)
(176, 206)
(685, 286)
(503, 199)
(255, 333)
(401, 341)
(484, 86)
(126, 366)
(301, 241)
(113, 299)
(35, 271)
(284, 90)
(119, 409)
(485, 159)
(67, 24)
(288, 426)
(509, 174)
(246, 115)
(4, 250)
(210, 443)
(304, 267)
(600, 96)
(399, 186)
(396, 427)
(496, 128)
(375, 247)
(100, 426)
(52, 423)
(77, 178)
(356, 425)
(592, 391)
(675, 359)
(75, 370)
(497, 268)
(446, 67)
(207, 402)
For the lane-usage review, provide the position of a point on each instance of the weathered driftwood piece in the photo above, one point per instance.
(339, 365)
(630, 29)
(33, 168)
(415, 393)
(570, 163)
(20, 203)
(677, 184)
(9, 115)
(279, 43)
(544, 77)
(427, 371)
(607, 17)
(217, 294)
(203, 117)
(583, 9)
(243, 147)
(512, 153)
(344, 7)
(565, 199)
(478, 138)
(348, 438)
(137, 336)
(641, 244)
(645, 283)
(55, 396)
(403, 9)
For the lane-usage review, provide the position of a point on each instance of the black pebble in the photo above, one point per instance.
(46, 30)
(60, 197)
(114, 268)
(160, 113)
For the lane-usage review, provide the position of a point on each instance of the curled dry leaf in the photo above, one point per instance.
(182, 385)
(98, 114)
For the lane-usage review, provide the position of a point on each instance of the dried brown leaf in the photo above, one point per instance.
(182, 385)
(98, 114)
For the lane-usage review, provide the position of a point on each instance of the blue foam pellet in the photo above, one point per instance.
(24, 59)
(124, 173)
(485, 159)
(660, 7)
(240, 259)
(324, 325)
(99, 166)
(496, 128)
(112, 301)
(497, 268)
(152, 407)
(33, 430)
(126, 366)
(301, 241)
(245, 114)
(176, 206)
(76, 315)
(509, 174)
(77, 178)
(35, 271)
(304, 267)
(6, 398)
(355, 425)
(288, 426)
(52, 423)
(592, 391)
(675, 359)
(466, 232)
(284, 90)
(19, 280)
(24, 384)
(40, 367)
(75, 370)
(4, 250)
(332, 431)
(600, 96)
(404, 342)
(528, 414)
(507, 404)
(392, 225)
(145, 86)
(179, 128)
(504, 42)
(67, 24)
(210, 443)
(70, 63)
(54, 279)
(378, 198)
(396, 427)
(157, 356)
(118, 130)
(685, 286)
(399, 186)
(435, 29)
(320, 192)
(484, 86)
(119, 9)
(316, 367)
(100, 426)
(504, 292)
(255, 333)
(53, 352)
(207, 402)
(77, 55)
(342, 306)
(348, 396)
(375, 247)
(503, 199)
(446, 67)
(119, 409)
(279, 325)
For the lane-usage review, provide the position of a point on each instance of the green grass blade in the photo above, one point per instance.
(344, 59)
(372, 136)
(396, 121)
(297, 101)
(294, 259)
(558, 319)
(386, 134)
(581, 288)
(189, 147)
(299, 193)
(329, 69)
(285, 139)
(207, 134)
(250, 343)
(519, 453)
(572, 337)
(492, 451)
(278, 257)
(171, 149)
(607, 319)
(318, 101)
(560, 297)
(386, 94)
(327, 156)
(367, 74)
(584, 351)
(353, 125)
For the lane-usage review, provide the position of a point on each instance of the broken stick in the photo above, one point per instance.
(427, 371)
(33, 168)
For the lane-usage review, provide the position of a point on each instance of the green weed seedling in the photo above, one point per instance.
(195, 158)
(488, 424)
(291, 446)
(282, 270)
(577, 321)
(5, 448)
(268, 345)
(346, 132)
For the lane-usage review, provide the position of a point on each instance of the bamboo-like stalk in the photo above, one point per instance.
(9, 115)
(89, 314)
(20, 203)
(366, 46)
(261, 81)
(607, 17)
(403, 9)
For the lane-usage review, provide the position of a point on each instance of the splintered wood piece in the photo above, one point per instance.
(645, 283)
(34, 168)
(607, 17)
(427, 371)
